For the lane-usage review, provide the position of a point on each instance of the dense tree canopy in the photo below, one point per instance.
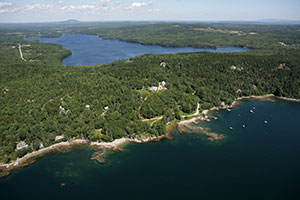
(42, 99)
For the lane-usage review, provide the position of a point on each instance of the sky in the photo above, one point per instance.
(143, 10)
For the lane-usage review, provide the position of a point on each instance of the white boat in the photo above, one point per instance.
(229, 110)
(251, 111)
(266, 122)
(244, 126)
(230, 128)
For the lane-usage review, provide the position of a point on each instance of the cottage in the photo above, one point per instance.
(161, 85)
(233, 67)
(59, 137)
(153, 88)
(163, 64)
(88, 107)
(283, 66)
(21, 145)
(61, 108)
(106, 108)
(239, 91)
(223, 103)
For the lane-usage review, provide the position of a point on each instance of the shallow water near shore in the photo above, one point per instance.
(260, 161)
(92, 50)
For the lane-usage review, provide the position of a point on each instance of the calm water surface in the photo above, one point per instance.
(92, 50)
(261, 161)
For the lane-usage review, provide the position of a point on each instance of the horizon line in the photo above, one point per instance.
(269, 21)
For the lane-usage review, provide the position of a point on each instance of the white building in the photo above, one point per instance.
(59, 137)
(106, 108)
(87, 106)
(21, 145)
(239, 91)
(61, 108)
(153, 88)
(163, 64)
(233, 67)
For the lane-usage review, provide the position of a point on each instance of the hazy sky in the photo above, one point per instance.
(98, 10)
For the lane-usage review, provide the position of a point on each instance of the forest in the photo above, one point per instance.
(41, 98)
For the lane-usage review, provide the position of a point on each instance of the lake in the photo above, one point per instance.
(260, 161)
(92, 50)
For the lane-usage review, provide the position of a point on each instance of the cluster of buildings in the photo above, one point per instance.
(161, 86)
(233, 67)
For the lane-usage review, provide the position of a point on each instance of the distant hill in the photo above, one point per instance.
(70, 21)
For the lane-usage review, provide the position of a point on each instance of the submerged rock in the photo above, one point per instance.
(3, 174)
(213, 136)
(99, 157)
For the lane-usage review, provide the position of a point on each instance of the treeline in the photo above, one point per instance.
(208, 35)
(253, 36)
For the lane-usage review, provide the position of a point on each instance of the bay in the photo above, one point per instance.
(92, 50)
(260, 161)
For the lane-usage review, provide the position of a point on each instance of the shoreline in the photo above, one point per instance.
(234, 103)
(30, 158)
(211, 136)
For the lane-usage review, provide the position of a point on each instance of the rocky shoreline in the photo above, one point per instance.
(213, 136)
(234, 103)
(30, 158)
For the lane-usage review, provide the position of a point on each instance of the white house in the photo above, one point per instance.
(61, 108)
(153, 88)
(163, 64)
(87, 106)
(239, 91)
(233, 67)
(59, 137)
(21, 145)
(106, 108)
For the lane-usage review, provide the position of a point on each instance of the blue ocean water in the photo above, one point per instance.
(92, 50)
(260, 161)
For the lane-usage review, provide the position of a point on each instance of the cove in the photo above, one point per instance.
(92, 50)
(260, 161)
